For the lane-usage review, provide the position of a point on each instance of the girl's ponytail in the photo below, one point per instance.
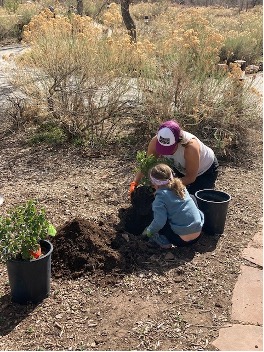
(177, 186)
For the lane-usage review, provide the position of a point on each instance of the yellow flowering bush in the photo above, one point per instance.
(112, 16)
(242, 32)
(193, 43)
(80, 73)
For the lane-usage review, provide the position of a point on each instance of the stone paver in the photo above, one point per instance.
(254, 251)
(247, 296)
(247, 304)
(240, 338)
(254, 255)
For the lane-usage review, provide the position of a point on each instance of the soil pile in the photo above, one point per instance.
(84, 247)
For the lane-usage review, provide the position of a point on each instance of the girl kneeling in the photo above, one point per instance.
(177, 220)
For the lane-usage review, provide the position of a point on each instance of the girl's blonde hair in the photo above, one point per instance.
(163, 172)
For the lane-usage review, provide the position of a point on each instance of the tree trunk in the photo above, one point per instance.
(80, 7)
(241, 5)
(128, 21)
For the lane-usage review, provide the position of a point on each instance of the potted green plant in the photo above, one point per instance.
(27, 252)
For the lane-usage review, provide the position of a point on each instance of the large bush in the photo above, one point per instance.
(77, 74)
(93, 82)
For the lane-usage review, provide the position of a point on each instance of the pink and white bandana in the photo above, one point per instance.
(157, 182)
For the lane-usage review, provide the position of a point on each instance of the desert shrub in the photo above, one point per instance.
(218, 109)
(77, 75)
(93, 8)
(184, 57)
(142, 9)
(187, 86)
(26, 11)
(8, 24)
(11, 5)
(222, 113)
(193, 45)
(112, 17)
(242, 32)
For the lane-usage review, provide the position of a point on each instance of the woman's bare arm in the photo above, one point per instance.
(192, 161)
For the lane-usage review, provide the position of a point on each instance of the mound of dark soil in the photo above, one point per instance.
(84, 247)
(141, 200)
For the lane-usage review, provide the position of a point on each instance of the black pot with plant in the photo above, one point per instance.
(27, 252)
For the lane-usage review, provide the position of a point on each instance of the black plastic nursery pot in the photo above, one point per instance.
(214, 205)
(30, 279)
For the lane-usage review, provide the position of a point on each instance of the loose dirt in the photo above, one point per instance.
(110, 290)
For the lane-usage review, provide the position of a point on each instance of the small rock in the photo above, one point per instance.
(57, 325)
(59, 316)
(169, 256)
(125, 236)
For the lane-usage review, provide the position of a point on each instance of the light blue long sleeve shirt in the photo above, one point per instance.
(183, 215)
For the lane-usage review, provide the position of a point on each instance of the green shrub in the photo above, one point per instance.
(11, 5)
(48, 133)
(26, 11)
(146, 162)
(22, 229)
(8, 24)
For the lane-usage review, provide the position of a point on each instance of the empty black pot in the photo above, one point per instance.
(214, 205)
(30, 279)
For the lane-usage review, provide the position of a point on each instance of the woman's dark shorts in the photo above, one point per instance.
(206, 180)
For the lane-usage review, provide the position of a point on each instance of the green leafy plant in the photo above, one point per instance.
(49, 133)
(22, 229)
(146, 162)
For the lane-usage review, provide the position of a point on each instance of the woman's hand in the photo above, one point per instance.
(132, 187)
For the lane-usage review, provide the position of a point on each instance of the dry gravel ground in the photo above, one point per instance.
(177, 301)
